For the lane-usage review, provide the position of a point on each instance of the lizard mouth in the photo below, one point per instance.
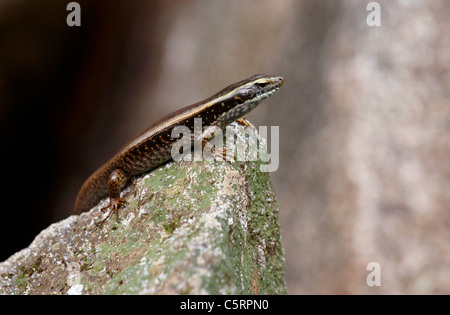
(271, 91)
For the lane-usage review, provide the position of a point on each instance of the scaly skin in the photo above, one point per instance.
(152, 147)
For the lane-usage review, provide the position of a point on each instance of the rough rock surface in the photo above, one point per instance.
(208, 227)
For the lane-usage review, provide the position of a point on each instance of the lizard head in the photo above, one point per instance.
(255, 89)
(238, 99)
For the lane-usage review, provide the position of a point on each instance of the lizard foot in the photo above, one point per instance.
(113, 207)
(244, 122)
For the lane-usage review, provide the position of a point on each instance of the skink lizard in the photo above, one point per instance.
(152, 147)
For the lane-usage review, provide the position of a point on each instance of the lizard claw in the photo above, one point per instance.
(114, 206)
(244, 122)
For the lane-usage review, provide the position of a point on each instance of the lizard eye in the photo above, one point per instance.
(261, 84)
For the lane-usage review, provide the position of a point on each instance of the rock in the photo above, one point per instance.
(208, 227)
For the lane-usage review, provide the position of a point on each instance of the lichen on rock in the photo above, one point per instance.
(204, 227)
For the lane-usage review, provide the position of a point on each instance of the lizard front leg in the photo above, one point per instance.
(117, 179)
(244, 122)
(208, 134)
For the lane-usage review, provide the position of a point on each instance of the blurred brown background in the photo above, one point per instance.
(364, 119)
